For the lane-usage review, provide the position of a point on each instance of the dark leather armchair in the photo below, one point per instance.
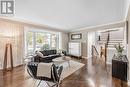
(55, 74)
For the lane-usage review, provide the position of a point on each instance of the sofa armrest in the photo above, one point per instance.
(37, 58)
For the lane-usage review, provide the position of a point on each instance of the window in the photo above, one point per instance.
(30, 41)
(41, 41)
(54, 41)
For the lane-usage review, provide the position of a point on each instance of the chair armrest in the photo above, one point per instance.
(57, 72)
(60, 70)
(32, 69)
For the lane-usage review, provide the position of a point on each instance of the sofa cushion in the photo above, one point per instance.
(54, 55)
(43, 52)
(48, 52)
(48, 56)
(38, 53)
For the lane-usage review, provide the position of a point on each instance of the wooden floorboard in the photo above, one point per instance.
(95, 73)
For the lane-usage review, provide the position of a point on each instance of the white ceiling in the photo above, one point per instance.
(70, 14)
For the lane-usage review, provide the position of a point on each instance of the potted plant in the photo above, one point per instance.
(61, 52)
(119, 49)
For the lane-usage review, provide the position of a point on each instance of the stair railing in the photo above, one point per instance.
(108, 38)
(94, 51)
(106, 46)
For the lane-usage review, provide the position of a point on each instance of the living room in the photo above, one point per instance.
(64, 36)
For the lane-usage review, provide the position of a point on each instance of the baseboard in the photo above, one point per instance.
(128, 82)
(109, 63)
(14, 67)
(89, 57)
(84, 57)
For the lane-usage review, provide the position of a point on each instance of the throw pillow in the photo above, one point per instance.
(39, 54)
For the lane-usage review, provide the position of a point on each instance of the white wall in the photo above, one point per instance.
(126, 7)
(91, 41)
(117, 34)
(15, 31)
(128, 19)
(63, 41)
(83, 40)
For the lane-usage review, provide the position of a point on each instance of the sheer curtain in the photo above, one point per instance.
(14, 33)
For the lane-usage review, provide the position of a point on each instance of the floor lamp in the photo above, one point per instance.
(8, 49)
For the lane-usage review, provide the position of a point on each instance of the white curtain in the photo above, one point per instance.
(14, 33)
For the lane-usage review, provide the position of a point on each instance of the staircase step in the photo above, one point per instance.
(114, 43)
(116, 39)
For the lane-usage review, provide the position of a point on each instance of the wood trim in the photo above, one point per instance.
(13, 67)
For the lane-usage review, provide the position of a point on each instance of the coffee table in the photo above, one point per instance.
(61, 60)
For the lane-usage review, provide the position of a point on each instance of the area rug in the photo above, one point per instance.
(67, 71)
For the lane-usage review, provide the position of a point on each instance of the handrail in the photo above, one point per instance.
(108, 38)
(94, 50)
(106, 45)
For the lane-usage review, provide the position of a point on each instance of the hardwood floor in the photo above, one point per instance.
(94, 74)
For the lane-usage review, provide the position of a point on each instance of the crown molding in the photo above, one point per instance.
(32, 24)
(49, 28)
(91, 28)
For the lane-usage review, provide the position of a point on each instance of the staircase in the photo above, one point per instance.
(112, 42)
(106, 38)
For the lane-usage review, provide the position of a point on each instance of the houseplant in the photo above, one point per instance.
(119, 49)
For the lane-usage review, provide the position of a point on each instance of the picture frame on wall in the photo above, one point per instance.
(76, 36)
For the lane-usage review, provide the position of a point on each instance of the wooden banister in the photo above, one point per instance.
(94, 51)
